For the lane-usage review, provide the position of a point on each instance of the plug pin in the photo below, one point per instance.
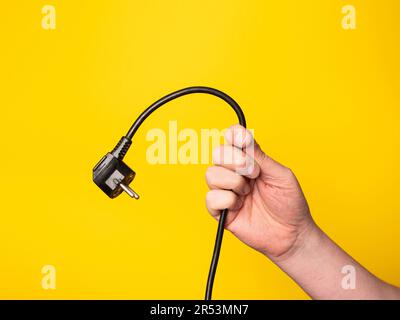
(129, 191)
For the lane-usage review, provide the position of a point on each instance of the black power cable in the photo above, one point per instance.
(113, 176)
(215, 256)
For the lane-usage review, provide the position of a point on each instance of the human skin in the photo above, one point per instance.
(269, 212)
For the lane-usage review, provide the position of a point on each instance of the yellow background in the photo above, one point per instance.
(322, 100)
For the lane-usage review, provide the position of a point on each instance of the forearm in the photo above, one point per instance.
(317, 264)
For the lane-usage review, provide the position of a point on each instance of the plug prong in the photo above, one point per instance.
(129, 191)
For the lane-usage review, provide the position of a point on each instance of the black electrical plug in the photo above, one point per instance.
(112, 175)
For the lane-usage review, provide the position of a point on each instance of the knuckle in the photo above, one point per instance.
(238, 181)
(210, 174)
(289, 172)
(231, 200)
(239, 159)
(217, 154)
(209, 197)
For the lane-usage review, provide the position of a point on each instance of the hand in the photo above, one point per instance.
(267, 208)
(268, 212)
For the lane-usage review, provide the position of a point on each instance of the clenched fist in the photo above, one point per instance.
(267, 208)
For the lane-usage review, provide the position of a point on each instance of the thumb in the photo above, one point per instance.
(242, 138)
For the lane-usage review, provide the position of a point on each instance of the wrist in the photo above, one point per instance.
(308, 239)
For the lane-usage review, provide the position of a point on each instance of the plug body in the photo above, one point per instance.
(113, 176)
